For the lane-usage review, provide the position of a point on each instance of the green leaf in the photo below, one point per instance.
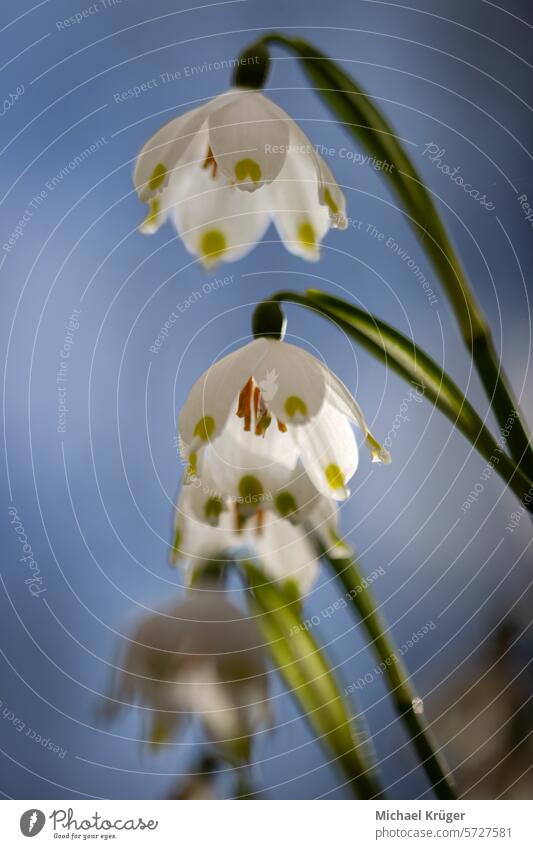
(367, 124)
(363, 120)
(401, 691)
(309, 678)
(408, 360)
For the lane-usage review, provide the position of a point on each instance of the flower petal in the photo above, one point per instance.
(324, 521)
(329, 193)
(342, 399)
(300, 219)
(286, 553)
(298, 498)
(166, 148)
(247, 468)
(238, 130)
(197, 536)
(158, 158)
(292, 381)
(217, 222)
(328, 451)
(212, 397)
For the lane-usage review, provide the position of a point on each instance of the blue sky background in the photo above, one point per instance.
(96, 501)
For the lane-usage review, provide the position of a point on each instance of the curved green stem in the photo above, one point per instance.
(365, 122)
(402, 693)
(408, 360)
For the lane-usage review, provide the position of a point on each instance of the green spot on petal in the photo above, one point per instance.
(307, 235)
(379, 454)
(213, 245)
(157, 177)
(250, 488)
(334, 476)
(213, 509)
(337, 541)
(294, 404)
(175, 550)
(205, 428)
(245, 168)
(285, 504)
(191, 468)
(159, 733)
(150, 222)
(334, 209)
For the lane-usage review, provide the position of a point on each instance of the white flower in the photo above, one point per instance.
(307, 418)
(245, 476)
(208, 527)
(226, 168)
(204, 657)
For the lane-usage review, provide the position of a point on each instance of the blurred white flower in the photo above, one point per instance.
(204, 656)
(307, 417)
(207, 528)
(226, 168)
(245, 476)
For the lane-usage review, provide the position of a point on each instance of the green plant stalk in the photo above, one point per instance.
(308, 676)
(395, 673)
(367, 124)
(408, 360)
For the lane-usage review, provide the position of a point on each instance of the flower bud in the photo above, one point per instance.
(252, 67)
(268, 320)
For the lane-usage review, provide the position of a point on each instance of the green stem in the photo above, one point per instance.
(417, 368)
(504, 404)
(307, 674)
(403, 695)
(368, 125)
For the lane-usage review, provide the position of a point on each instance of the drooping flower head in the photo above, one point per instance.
(212, 527)
(204, 656)
(224, 169)
(275, 390)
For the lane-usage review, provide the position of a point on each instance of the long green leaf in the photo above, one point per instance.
(409, 707)
(366, 123)
(309, 678)
(407, 359)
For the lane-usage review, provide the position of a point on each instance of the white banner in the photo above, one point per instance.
(268, 824)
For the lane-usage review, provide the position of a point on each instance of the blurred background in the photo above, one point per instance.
(85, 296)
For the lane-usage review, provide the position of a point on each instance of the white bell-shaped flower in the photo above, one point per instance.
(208, 527)
(226, 168)
(272, 385)
(245, 476)
(204, 656)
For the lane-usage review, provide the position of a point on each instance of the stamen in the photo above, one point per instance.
(260, 521)
(244, 408)
(263, 424)
(210, 162)
(239, 519)
(251, 402)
